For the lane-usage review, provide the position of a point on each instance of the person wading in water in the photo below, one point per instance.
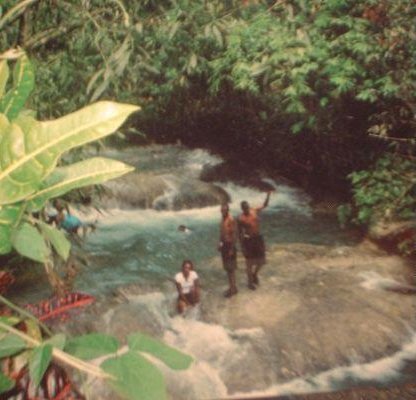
(187, 284)
(252, 242)
(228, 234)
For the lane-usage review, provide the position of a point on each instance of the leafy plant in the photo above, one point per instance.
(29, 172)
(385, 192)
(125, 368)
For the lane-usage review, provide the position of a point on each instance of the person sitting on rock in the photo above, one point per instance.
(187, 284)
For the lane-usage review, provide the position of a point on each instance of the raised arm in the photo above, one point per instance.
(266, 202)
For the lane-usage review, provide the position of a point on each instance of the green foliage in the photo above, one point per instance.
(10, 345)
(170, 356)
(5, 383)
(30, 151)
(384, 192)
(131, 374)
(23, 83)
(91, 346)
(39, 361)
(136, 377)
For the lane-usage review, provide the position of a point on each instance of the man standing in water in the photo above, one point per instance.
(252, 242)
(228, 249)
(187, 284)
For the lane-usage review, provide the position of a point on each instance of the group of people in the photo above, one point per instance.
(246, 230)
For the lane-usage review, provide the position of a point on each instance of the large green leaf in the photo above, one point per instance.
(57, 341)
(170, 356)
(92, 346)
(9, 217)
(136, 377)
(30, 243)
(10, 345)
(23, 84)
(4, 76)
(58, 239)
(84, 173)
(39, 362)
(5, 239)
(29, 149)
(5, 383)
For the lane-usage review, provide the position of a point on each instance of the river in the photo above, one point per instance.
(320, 320)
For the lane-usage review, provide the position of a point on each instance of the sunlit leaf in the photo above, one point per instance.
(136, 377)
(23, 84)
(10, 345)
(38, 145)
(84, 173)
(4, 76)
(38, 363)
(57, 238)
(171, 357)
(29, 243)
(5, 383)
(11, 321)
(92, 345)
(57, 341)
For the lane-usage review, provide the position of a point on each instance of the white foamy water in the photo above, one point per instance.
(380, 371)
(373, 281)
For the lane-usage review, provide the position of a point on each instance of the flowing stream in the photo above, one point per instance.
(319, 321)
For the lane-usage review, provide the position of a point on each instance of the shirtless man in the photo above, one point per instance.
(187, 284)
(251, 240)
(228, 249)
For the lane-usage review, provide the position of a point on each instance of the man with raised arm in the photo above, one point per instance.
(252, 243)
(228, 235)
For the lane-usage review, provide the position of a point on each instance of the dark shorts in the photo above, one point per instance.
(190, 298)
(253, 248)
(229, 262)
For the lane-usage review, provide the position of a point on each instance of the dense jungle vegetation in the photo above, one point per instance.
(323, 91)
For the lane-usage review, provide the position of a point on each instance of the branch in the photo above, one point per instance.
(59, 355)
(395, 139)
(16, 11)
(25, 314)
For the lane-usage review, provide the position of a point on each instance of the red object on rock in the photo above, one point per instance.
(59, 306)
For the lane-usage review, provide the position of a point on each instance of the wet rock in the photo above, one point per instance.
(134, 190)
(391, 236)
(240, 173)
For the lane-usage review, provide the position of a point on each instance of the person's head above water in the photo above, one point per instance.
(58, 204)
(245, 207)
(187, 267)
(225, 209)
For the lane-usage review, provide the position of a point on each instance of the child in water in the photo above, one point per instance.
(65, 220)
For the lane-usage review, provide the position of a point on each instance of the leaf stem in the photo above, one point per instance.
(60, 355)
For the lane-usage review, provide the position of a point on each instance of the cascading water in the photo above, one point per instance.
(318, 321)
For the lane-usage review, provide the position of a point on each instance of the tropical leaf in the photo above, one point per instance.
(57, 238)
(5, 383)
(4, 76)
(84, 173)
(39, 362)
(11, 321)
(136, 377)
(10, 345)
(9, 217)
(23, 84)
(57, 341)
(92, 345)
(170, 356)
(30, 243)
(38, 145)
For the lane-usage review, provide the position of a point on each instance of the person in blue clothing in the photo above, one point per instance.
(65, 220)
